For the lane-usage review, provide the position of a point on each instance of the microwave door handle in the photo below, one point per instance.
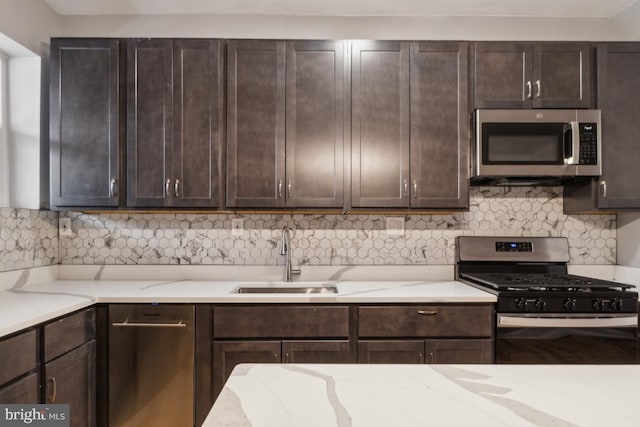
(573, 131)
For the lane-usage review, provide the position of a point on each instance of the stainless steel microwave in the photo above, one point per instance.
(529, 147)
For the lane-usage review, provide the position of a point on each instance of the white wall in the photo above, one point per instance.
(629, 239)
(626, 26)
(307, 27)
(29, 22)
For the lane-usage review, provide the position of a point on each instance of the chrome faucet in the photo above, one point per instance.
(285, 249)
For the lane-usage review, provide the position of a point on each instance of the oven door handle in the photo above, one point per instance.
(505, 321)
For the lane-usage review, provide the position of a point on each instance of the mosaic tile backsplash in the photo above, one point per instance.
(335, 239)
(28, 238)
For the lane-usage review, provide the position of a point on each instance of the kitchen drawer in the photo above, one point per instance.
(281, 322)
(25, 390)
(68, 333)
(18, 355)
(425, 321)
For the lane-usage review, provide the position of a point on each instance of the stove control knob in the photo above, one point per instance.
(597, 304)
(569, 304)
(521, 304)
(616, 304)
(540, 304)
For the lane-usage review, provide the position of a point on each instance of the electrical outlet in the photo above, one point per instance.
(237, 227)
(64, 227)
(395, 225)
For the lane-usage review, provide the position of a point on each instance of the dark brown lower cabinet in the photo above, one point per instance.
(405, 351)
(426, 351)
(25, 390)
(228, 354)
(459, 351)
(71, 379)
(337, 351)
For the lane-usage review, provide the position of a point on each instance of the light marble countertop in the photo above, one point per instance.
(32, 296)
(25, 302)
(289, 395)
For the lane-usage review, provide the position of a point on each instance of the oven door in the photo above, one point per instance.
(568, 339)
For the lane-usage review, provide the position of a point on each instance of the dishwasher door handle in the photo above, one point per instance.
(127, 324)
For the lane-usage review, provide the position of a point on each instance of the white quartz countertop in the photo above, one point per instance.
(428, 395)
(24, 305)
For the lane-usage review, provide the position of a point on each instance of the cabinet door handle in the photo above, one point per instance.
(176, 188)
(427, 313)
(406, 188)
(289, 186)
(431, 357)
(415, 189)
(113, 187)
(51, 398)
(420, 358)
(603, 185)
(276, 357)
(280, 189)
(167, 188)
(286, 358)
(538, 89)
(529, 92)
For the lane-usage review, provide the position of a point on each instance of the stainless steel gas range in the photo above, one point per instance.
(544, 314)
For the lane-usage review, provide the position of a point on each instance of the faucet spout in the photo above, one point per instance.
(285, 249)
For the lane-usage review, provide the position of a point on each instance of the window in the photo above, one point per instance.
(3, 88)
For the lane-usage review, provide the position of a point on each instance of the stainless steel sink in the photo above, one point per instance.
(250, 289)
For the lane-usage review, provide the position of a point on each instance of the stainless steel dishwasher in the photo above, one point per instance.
(151, 378)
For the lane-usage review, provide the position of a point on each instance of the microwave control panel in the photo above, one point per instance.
(588, 144)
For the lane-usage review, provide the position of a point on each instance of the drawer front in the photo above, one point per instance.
(18, 355)
(22, 391)
(281, 322)
(68, 333)
(425, 321)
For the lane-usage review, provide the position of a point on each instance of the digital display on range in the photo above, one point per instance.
(514, 247)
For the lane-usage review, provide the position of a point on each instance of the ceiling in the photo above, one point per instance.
(529, 8)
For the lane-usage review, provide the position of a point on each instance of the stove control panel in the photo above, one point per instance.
(566, 304)
(514, 247)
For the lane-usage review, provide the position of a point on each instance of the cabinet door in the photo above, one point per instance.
(198, 123)
(149, 122)
(71, 379)
(315, 124)
(19, 355)
(255, 123)
(503, 75)
(85, 122)
(316, 352)
(228, 354)
(459, 351)
(380, 124)
(439, 125)
(562, 75)
(25, 390)
(391, 351)
(618, 77)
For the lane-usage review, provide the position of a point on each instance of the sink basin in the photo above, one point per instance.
(252, 289)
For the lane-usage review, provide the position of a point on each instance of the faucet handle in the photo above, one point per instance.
(295, 271)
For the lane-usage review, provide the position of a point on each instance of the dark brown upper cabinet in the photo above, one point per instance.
(297, 164)
(618, 75)
(380, 124)
(439, 125)
(174, 123)
(85, 127)
(410, 125)
(526, 75)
